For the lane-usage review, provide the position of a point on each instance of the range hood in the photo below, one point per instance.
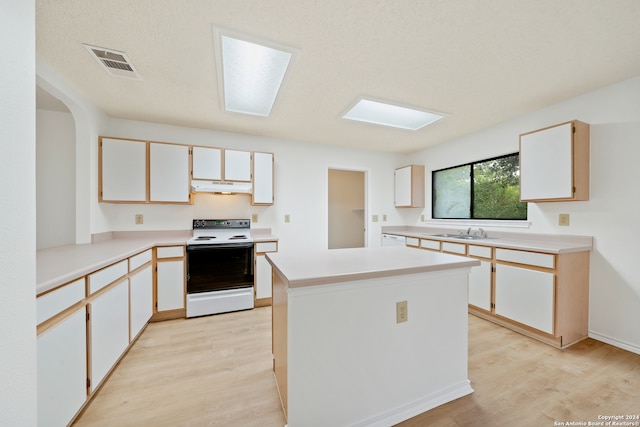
(198, 186)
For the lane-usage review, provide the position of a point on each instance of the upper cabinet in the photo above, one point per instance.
(132, 171)
(135, 171)
(409, 187)
(262, 179)
(237, 165)
(168, 173)
(207, 163)
(122, 169)
(554, 163)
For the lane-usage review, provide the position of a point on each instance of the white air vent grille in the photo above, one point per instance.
(115, 63)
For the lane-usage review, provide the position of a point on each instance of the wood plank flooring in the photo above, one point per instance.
(217, 371)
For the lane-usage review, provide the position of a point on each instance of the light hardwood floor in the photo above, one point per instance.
(216, 371)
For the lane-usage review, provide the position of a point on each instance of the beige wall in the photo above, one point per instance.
(346, 209)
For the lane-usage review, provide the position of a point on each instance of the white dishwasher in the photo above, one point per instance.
(393, 240)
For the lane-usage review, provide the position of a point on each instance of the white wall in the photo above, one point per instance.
(300, 182)
(17, 215)
(55, 179)
(612, 213)
(89, 123)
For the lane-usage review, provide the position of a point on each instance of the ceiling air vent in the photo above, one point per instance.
(115, 63)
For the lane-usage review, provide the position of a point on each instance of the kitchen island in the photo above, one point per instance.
(368, 336)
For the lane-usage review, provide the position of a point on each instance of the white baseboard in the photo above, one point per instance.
(634, 348)
(419, 406)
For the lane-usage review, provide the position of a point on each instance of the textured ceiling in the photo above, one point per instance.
(480, 61)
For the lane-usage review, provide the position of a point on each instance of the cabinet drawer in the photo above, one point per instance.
(412, 241)
(480, 251)
(456, 248)
(430, 244)
(107, 275)
(522, 257)
(139, 260)
(50, 304)
(266, 247)
(170, 252)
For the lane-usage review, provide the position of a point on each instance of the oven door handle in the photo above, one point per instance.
(196, 248)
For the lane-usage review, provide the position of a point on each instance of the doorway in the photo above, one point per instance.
(346, 208)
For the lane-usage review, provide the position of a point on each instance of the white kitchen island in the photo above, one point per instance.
(341, 358)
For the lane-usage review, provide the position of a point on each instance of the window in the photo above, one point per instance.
(488, 189)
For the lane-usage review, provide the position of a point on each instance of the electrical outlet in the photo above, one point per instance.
(563, 219)
(402, 312)
(287, 218)
(374, 218)
(254, 217)
(384, 217)
(139, 219)
(422, 217)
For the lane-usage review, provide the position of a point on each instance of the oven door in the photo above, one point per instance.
(219, 267)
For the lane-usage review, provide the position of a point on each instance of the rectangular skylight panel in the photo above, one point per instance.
(252, 75)
(380, 113)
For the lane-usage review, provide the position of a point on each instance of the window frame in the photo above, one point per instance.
(471, 190)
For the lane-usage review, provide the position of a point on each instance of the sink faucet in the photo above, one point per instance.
(469, 231)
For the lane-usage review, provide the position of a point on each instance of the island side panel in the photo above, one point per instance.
(350, 363)
(279, 335)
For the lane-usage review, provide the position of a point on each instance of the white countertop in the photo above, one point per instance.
(341, 265)
(62, 264)
(547, 243)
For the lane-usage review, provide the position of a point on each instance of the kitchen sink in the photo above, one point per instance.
(458, 236)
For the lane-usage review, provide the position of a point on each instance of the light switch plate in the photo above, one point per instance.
(563, 220)
(254, 217)
(287, 218)
(139, 219)
(374, 218)
(402, 313)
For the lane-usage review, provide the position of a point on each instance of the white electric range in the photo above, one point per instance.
(219, 267)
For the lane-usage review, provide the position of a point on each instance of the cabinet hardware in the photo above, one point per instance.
(88, 383)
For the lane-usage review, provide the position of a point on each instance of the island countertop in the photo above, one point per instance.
(342, 265)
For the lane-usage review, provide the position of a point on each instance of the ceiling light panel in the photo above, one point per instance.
(382, 113)
(252, 74)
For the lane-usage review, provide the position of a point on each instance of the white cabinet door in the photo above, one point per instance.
(526, 296)
(62, 370)
(263, 277)
(262, 179)
(546, 168)
(237, 165)
(169, 173)
(403, 186)
(141, 300)
(170, 280)
(207, 163)
(480, 286)
(109, 323)
(123, 170)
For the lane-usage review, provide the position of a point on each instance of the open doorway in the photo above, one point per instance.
(346, 209)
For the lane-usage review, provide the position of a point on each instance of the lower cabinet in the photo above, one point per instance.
(480, 286)
(62, 370)
(541, 295)
(526, 296)
(109, 330)
(263, 273)
(141, 300)
(170, 285)
(170, 282)
(85, 326)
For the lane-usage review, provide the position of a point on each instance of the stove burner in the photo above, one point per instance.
(238, 236)
(205, 237)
